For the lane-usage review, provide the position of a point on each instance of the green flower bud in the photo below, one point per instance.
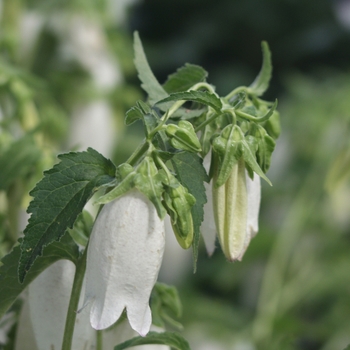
(236, 208)
(179, 203)
(183, 136)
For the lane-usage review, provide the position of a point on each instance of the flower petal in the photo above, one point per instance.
(253, 206)
(48, 300)
(124, 256)
(208, 227)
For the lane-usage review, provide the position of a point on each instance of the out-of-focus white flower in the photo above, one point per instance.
(124, 256)
(6, 322)
(48, 299)
(236, 210)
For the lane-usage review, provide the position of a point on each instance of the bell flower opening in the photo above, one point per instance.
(123, 260)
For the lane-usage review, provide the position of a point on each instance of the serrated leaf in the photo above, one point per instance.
(18, 160)
(191, 174)
(184, 78)
(11, 288)
(204, 97)
(150, 83)
(261, 83)
(59, 198)
(174, 340)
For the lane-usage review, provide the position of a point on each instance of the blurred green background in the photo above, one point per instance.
(67, 77)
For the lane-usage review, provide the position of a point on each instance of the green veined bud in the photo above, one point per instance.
(230, 212)
(179, 203)
(183, 136)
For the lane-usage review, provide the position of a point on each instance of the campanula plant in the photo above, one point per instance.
(117, 265)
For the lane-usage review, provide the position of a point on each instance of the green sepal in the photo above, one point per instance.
(261, 83)
(183, 136)
(273, 125)
(126, 177)
(265, 146)
(227, 147)
(230, 146)
(250, 159)
(149, 181)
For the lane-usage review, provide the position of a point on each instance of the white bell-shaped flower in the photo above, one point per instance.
(43, 317)
(124, 256)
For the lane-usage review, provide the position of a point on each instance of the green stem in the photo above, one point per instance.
(235, 92)
(206, 122)
(255, 119)
(74, 302)
(138, 153)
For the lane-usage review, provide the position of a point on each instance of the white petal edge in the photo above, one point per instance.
(253, 207)
(124, 256)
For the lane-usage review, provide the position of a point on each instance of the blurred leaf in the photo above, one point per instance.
(19, 159)
(11, 288)
(174, 340)
(59, 198)
(165, 304)
(261, 83)
(184, 78)
(191, 174)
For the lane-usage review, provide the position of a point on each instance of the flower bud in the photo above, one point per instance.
(123, 260)
(236, 209)
(179, 203)
(183, 136)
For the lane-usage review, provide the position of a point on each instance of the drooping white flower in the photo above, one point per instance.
(124, 256)
(45, 310)
(236, 211)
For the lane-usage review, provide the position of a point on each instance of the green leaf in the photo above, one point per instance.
(204, 97)
(191, 173)
(184, 78)
(174, 340)
(150, 84)
(261, 83)
(18, 160)
(59, 198)
(165, 305)
(11, 288)
(348, 347)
